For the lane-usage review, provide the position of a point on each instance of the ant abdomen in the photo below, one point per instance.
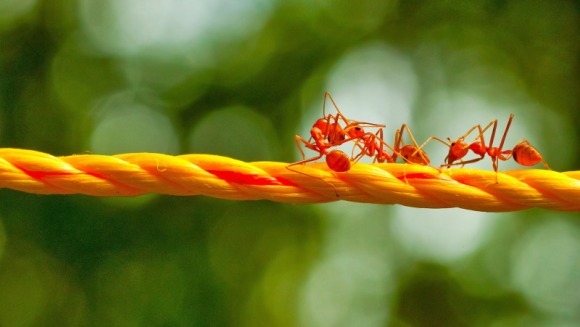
(338, 161)
(526, 155)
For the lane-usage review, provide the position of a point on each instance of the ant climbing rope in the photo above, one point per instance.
(221, 177)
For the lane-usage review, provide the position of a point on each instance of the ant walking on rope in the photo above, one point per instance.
(523, 153)
(411, 153)
(374, 146)
(326, 133)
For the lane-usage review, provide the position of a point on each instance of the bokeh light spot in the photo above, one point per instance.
(127, 27)
(376, 83)
(79, 79)
(446, 234)
(237, 132)
(546, 268)
(352, 283)
(125, 127)
(347, 288)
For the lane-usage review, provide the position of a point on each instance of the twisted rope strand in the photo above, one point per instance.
(215, 176)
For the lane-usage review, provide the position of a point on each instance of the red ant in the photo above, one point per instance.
(327, 132)
(374, 146)
(411, 153)
(459, 148)
(523, 153)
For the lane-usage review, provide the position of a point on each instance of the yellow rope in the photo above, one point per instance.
(199, 174)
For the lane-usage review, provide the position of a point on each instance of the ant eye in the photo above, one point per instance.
(453, 144)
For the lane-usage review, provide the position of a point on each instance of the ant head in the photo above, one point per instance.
(458, 150)
(453, 144)
(355, 131)
(459, 143)
(321, 124)
(451, 158)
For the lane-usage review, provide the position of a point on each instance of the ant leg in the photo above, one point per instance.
(360, 154)
(405, 127)
(305, 174)
(368, 147)
(505, 155)
(482, 131)
(545, 164)
(505, 132)
(321, 153)
(462, 163)
(494, 161)
(464, 136)
(397, 145)
(340, 115)
(306, 160)
(328, 96)
(395, 149)
(298, 139)
(336, 126)
(429, 139)
(355, 123)
(494, 123)
(436, 139)
(500, 154)
(378, 143)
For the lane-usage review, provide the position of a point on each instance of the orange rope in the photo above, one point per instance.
(200, 174)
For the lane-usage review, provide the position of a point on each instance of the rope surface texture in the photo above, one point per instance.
(221, 177)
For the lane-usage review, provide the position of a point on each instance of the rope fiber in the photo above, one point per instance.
(221, 177)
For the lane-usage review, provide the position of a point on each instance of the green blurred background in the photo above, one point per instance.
(241, 78)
